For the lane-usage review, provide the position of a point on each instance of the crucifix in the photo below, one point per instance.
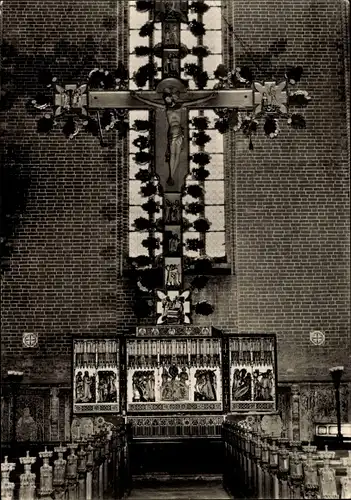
(170, 102)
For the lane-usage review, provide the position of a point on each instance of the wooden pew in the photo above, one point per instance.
(87, 469)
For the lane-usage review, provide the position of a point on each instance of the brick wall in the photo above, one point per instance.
(292, 195)
(64, 267)
(291, 205)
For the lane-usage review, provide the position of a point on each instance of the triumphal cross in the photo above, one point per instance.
(171, 101)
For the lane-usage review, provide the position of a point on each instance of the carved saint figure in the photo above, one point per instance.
(175, 133)
(173, 211)
(263, 385)
(346, 480)
(173, 275)
(107, 389)
(79, 387)
(171, 34)
(241, 388)
(173, 246)
(171, 65)
(143, 386)
(174, 385)
(171, 9)
(205, 387)
(88, 388)
(26, 429)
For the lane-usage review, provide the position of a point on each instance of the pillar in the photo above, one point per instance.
(295, 396)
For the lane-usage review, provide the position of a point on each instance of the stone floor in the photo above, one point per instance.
(187, 491)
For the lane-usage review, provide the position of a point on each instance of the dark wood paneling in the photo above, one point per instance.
(177, 456)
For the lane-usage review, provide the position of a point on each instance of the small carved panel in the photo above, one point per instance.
(172, 241)
(174, 331)
(171, 11)
(173, 274)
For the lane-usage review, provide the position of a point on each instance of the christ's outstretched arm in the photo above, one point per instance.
(186, 104)
(150, 102)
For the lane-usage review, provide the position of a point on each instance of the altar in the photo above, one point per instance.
(191, 372)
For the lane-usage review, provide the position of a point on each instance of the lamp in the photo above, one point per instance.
(336, 374)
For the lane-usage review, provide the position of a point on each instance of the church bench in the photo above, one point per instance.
(86, 469)
(257, 466)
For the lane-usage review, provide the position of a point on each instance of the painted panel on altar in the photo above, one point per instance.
(174, 375)
(96, 376)
(252, 373)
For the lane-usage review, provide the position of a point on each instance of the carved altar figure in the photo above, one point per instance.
(143, 386)
(172, 242)
(174, 386)
(171, 10)
(87, 387)
(171, 65)
(107, 388)
(26, 429)
(171, 34)
(79, 387)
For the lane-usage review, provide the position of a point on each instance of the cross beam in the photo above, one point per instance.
(241, 99)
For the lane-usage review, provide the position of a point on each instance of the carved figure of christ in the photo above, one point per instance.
(171, 102)
(176, 131)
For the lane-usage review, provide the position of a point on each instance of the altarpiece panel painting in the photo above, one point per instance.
(96, 376)
(174, 375)
(252, 373)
